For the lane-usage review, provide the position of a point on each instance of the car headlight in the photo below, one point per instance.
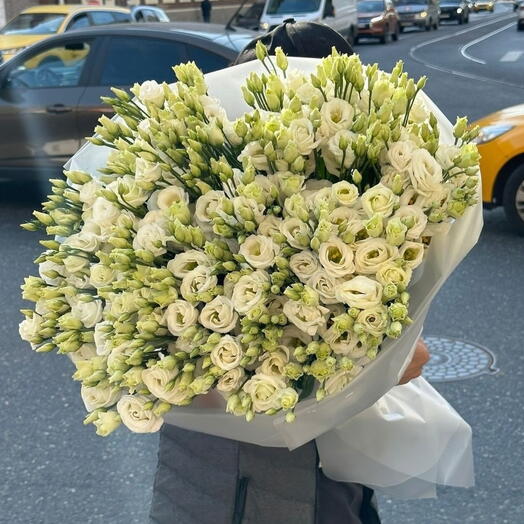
(489, 133)
(377, 19)
(423, 14)
(12, 51)
(264, 26)
(459, 10)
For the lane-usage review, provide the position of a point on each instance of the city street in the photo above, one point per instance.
(57, 471)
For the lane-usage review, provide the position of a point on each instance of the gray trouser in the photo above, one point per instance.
(203, 479)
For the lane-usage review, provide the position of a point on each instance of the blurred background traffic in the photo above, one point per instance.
(58, 58)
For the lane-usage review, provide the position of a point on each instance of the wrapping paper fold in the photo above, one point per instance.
(401, 440)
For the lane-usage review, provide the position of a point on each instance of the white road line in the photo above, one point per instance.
(512, 56)
(464, 48)
(436, 67)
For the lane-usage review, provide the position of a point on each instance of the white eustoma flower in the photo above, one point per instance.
(179, 316)
(250, 291)
(264, 391)
(273, 363)
(212, 108)
(293, 337)
(412, 253)
(46, 271)
(303, 135)
(101, 396)
(297, 233)
(336, 115)
(374, 320)
(341, 343)
(307, 318)
(88, 193)
(344, 193)
(371, 253)
(84, 352)
(200, 280)
(270, 226)
(101, 337)
(89, 313)
(325, 285)
(360, 292)
(135, 415)
(398, 155)
(379, 199)
(84, 241)
(151, 91)
(336, 258)
(259, 251)
(151, 237)
(101, 275)
(146, 171)
(30, 327)
(205, 208)
(392, 273)
(445, 155)
(304, 264)
(227, 354)
(419, 112)
(128, 191)
(417, 220)
(335, 158)
(185, 262)
(104, 213)
(164, 198)
(219, 315)
(255, 153)
(426, 174)
(231, 380)
(339, 380)
(157, 380)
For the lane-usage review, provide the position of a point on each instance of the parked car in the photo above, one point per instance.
(47, 109)
(484, 5)
(377, 19)
(423, 14)
(501, 144)
(341, 15)
(250, 18)
(520, 17)
(37, 23)
(457, 10)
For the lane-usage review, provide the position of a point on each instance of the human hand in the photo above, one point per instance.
(419, 360)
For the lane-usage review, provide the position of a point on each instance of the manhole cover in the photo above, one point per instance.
(453, 359)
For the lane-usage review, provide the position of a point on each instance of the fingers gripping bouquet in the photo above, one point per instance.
(266, 258)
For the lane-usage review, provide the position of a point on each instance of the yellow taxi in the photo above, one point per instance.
(501, 144)
(36, 23)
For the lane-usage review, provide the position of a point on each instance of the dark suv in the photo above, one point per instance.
(423, 14)
(457, 10)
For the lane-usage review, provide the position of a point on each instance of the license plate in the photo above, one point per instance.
(362, 26)
(445, 15)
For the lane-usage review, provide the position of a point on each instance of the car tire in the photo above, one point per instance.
(520, 27)
(513, 199)
(427, 27)
(436, 24)
(466, 21)
(460, 20)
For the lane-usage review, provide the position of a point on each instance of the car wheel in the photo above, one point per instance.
(520, 27)
(427, 27)
(513, 199)
(466, 21)
(435, 24)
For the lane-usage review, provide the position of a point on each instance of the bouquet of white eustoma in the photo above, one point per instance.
(264, 258)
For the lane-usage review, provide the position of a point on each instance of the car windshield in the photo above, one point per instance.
(370, 7)
(34, 24)
(287, 7)
(411, 2)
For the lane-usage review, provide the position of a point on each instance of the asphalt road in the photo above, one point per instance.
(56, 471)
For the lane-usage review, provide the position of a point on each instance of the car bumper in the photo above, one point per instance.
(371, 30)
(413, 22)
(452, 15)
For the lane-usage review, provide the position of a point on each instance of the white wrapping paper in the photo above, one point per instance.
(402, 440)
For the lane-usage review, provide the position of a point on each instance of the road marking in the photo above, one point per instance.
(464, 48)
(429, 65)
(512, 56)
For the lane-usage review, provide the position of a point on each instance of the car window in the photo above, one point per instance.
(59, 66)
(130, 60)
(34, 24)
(78, 22)
(102, 17)
(120, 17)
(206, 60)
(150, 16)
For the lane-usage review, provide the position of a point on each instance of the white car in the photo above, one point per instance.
(520, 16)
